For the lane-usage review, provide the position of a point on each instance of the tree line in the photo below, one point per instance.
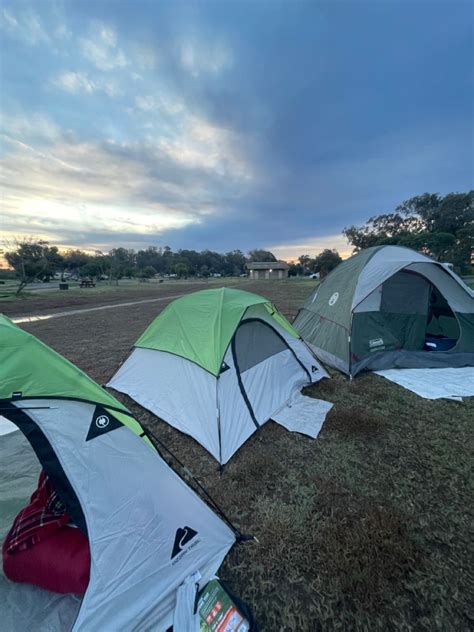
(439, 226)
(36, 260)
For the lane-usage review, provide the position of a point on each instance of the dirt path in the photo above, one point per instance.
(73, 312)
(96, 297)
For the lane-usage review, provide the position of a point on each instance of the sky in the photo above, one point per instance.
(228, 125)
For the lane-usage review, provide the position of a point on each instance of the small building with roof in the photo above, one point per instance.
(268, 269)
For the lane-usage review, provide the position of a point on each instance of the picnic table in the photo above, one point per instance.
(87, 283)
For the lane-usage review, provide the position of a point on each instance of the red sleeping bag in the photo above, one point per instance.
(41, 548)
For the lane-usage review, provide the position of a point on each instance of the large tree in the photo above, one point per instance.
(33, 260)
(326, 261)
(440, 226)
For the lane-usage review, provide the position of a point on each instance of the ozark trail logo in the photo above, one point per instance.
(102, 421)
(333, 298)
(182, 537)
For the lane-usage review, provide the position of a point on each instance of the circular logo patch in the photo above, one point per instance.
(333, 298)
(102, 421)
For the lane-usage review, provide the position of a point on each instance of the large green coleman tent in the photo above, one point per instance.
(148, 532)
(217, 364)
(390, 306)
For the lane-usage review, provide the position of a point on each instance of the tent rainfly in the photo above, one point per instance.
(217, 364)
(148, 532)
(389, 306)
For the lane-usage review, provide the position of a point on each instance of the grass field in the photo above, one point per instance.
(367, 528)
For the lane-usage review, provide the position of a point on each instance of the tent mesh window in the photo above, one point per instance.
(255, 341)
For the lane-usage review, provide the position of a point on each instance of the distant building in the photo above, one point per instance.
(268, 269)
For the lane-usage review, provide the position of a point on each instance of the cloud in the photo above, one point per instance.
(76, 189)
(166, 104)
(30, 128)
(312, 246)
(199, 143)
(101, 49)
(25, 26)
(198, 57)
(62, 32)
(144, 57)
(81, 83)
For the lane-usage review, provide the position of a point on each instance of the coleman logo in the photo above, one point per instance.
(182, 537)
(333, 298)
(102, 421)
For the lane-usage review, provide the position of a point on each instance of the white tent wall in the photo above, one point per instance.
(134, 505)
(175, 389)
(234, 417)
(271, 384)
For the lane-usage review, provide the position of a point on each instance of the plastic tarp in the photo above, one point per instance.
(449, 383)
(303, 414)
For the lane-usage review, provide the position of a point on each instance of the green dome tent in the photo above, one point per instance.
(216, 364)
(148, 532)
(389, 306)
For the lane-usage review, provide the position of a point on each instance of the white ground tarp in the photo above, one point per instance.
(303, 414)
(450, 383)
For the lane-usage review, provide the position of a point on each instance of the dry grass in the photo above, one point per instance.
(367, 528)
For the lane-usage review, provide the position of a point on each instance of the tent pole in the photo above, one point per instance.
(240, 537)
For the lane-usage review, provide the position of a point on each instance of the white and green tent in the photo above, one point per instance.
(148, 531)
(389, 306)
(217, 364)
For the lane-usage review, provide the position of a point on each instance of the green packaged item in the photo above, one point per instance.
(218, 612)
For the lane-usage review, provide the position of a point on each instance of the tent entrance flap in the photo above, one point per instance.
(407, 312)
(24, 606)
(268, 369)
(443, 329)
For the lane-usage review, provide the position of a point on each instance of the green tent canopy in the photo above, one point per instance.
(30, 369)
(200, 326)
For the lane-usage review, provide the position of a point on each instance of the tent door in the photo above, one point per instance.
(268, 370)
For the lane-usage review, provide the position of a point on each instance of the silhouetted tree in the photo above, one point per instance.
(261, 255)
(440, 226)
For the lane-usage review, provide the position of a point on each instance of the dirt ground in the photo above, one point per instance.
(369, 527)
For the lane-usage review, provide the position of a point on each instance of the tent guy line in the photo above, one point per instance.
(72, 312)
